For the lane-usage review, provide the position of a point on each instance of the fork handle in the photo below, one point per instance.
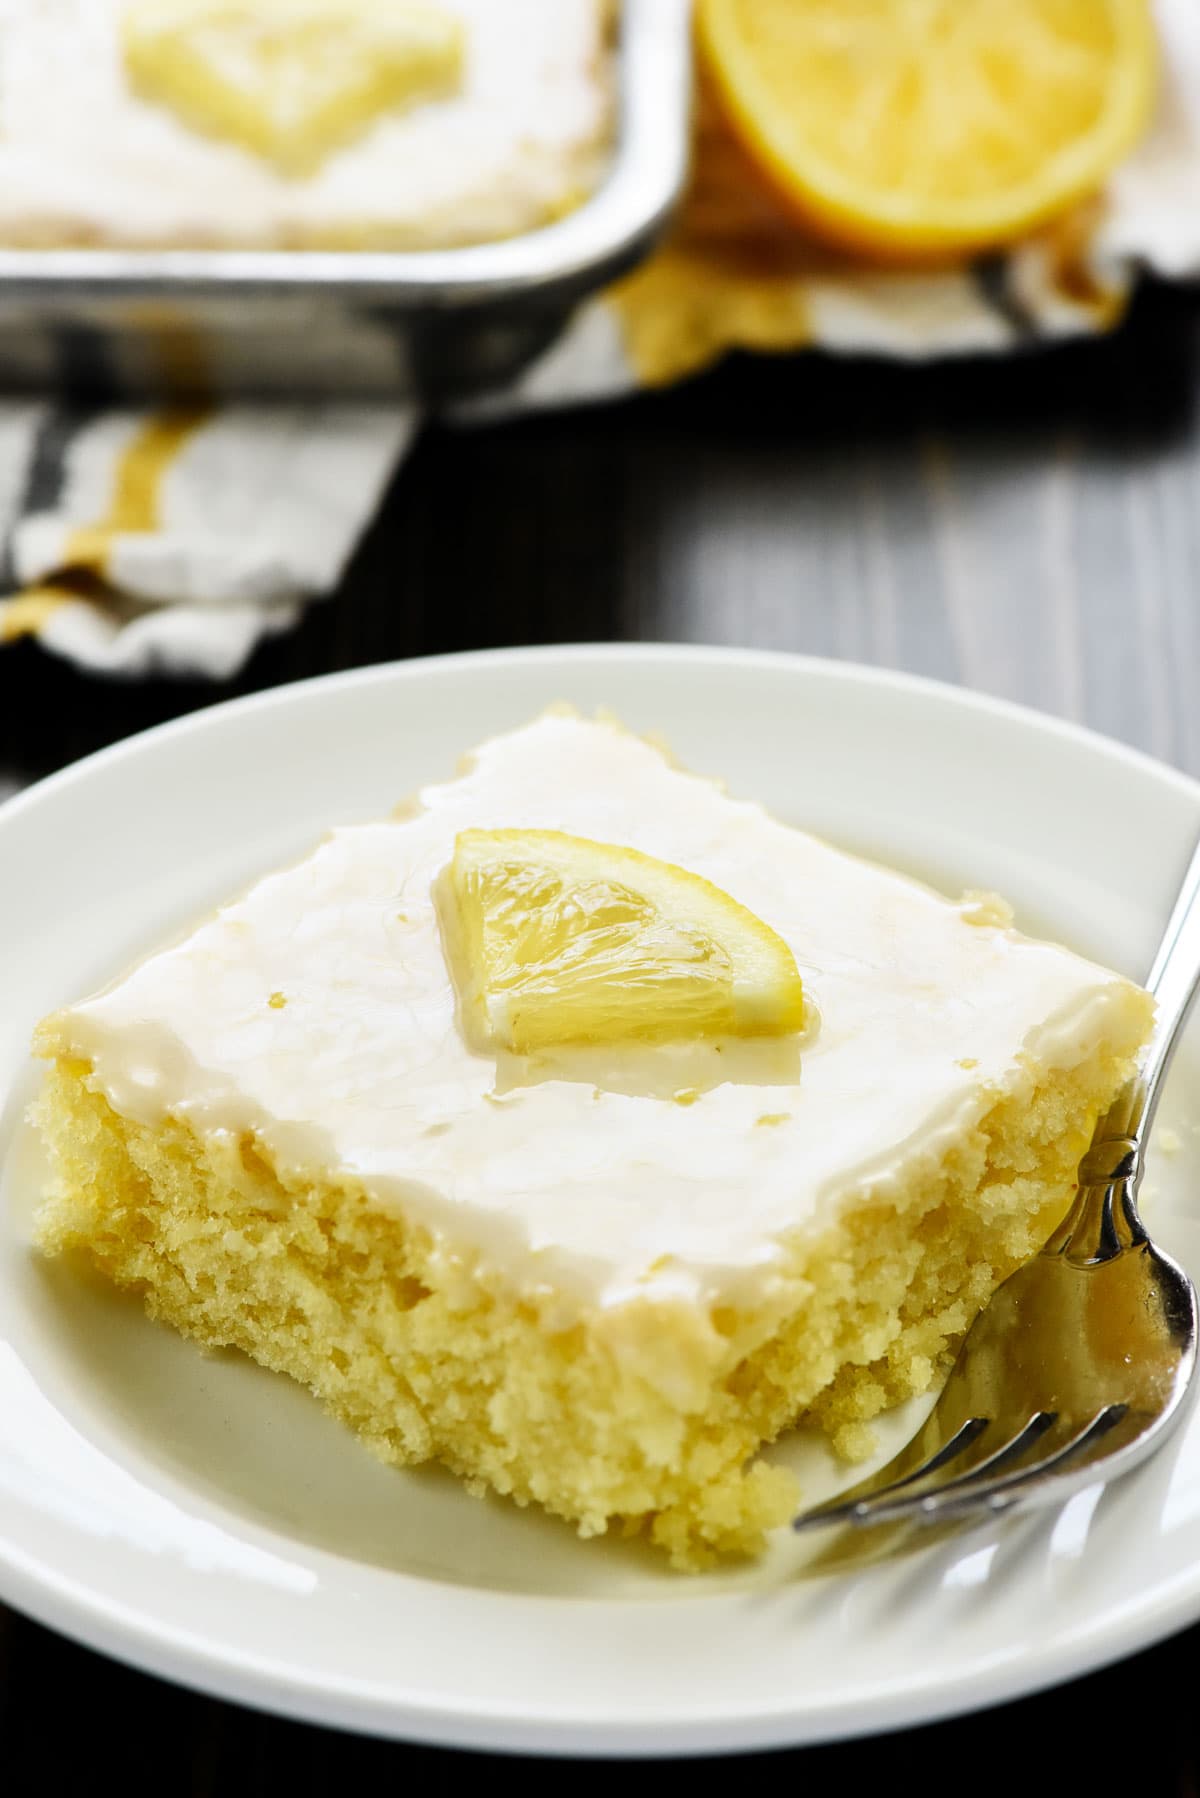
(1173, 981)
(1103, 1220)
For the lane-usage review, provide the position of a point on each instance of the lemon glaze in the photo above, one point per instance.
(579, 1180)
(84, 159)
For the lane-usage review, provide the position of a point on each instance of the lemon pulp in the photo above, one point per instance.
(918, 127)
(556, 939)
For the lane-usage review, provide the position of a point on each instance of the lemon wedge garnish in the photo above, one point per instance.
(555, 939)
(291, 80)
(911, 128)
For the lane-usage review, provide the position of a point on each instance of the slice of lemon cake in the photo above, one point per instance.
(583, 1127)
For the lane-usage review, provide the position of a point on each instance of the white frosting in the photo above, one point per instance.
(82, 157)
(584, 1177)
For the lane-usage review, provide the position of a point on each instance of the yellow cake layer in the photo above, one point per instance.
(316, 1280)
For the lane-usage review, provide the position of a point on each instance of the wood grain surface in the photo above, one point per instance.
(1029, 527)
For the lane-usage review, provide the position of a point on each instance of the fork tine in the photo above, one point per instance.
(842, 1504)
(987, 1486)
(890, 1503)
(897, 1499)
(961, 1496)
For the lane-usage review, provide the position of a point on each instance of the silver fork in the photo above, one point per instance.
(1077, 1368)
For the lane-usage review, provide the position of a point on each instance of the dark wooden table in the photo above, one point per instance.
(1030, 527)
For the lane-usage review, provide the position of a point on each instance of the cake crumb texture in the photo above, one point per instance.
(426, 1360)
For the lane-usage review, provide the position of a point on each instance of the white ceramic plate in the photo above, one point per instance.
(203, 1519)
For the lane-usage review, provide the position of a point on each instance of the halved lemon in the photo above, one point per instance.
(919, 128)
(291, 80)
(556, 939)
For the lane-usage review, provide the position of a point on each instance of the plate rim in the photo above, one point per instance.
(166, 1650)
(660, 650)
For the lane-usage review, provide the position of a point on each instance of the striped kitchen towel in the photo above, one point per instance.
(148, 542)
(136, 543)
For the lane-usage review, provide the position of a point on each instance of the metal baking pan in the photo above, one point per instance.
(426, 323)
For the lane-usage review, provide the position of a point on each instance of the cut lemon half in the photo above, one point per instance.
(555, 939)
(918, 128)
(291, 80)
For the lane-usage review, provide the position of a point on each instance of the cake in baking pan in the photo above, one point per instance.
(358, 124)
